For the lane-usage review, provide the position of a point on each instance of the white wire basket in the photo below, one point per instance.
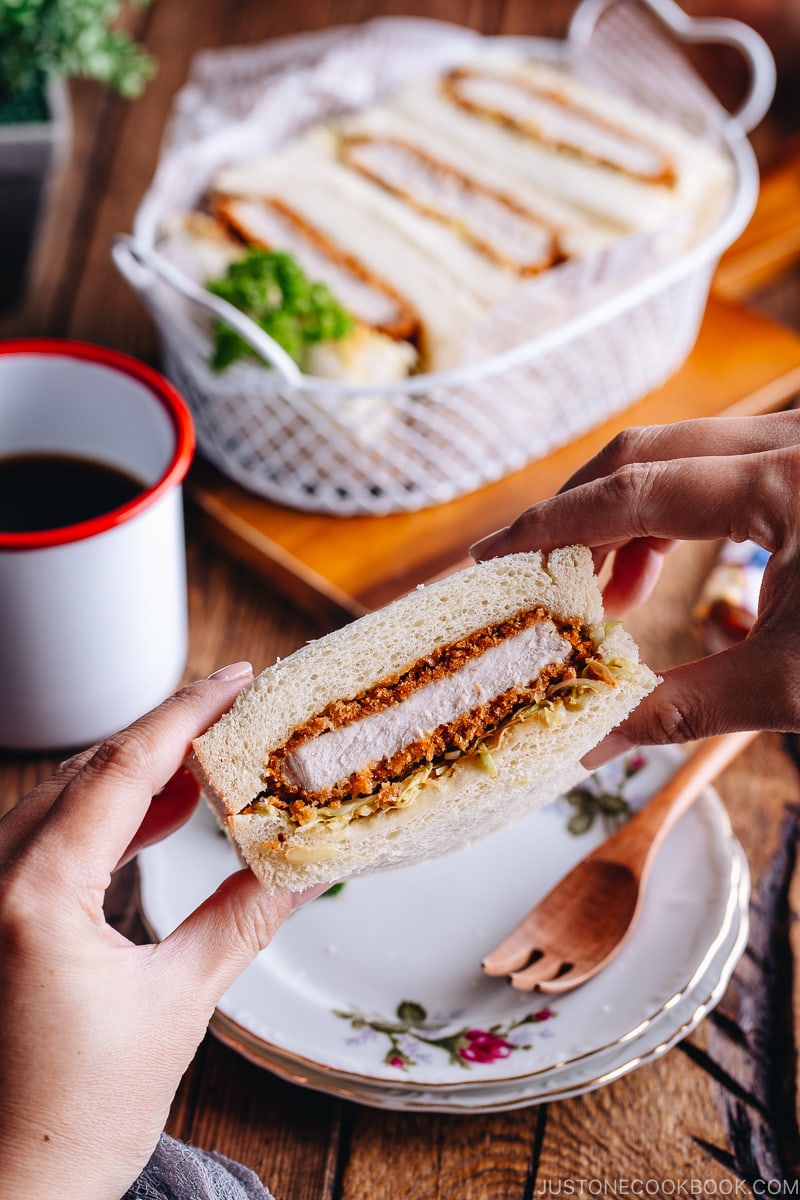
(322, 446)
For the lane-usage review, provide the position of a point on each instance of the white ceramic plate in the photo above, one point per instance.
(382, 985)
(590, 1072)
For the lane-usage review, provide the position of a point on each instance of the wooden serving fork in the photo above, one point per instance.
(582, 924)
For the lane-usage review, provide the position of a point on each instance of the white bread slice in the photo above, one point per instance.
(579, 231)
(526, 169)
(534, 762)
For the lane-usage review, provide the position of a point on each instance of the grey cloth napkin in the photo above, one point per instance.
(180, 1172)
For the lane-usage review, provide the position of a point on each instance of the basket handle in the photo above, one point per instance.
(701, 29)
(141, 265)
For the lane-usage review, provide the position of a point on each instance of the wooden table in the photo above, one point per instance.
(717, 1113)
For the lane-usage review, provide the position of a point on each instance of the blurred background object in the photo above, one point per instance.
(43, 44)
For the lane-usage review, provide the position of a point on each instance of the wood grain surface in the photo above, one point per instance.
(719, 1112)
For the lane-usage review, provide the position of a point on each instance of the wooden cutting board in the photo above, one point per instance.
(340, 567)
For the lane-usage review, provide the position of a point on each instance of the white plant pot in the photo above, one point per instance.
(29, 152)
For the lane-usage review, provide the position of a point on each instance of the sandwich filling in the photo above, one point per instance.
(271, 224)
(437, 711)
(492, 222)
(549, 116)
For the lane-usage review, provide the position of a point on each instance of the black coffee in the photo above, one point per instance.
(49, 491)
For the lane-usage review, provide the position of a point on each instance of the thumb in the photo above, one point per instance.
(722, 693)
(225, 933)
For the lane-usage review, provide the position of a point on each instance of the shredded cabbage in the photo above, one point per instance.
(487, 762)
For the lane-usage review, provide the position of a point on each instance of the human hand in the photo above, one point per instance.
(96, 1031)
(709, 478)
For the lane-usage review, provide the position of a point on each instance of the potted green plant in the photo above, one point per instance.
(42, 44)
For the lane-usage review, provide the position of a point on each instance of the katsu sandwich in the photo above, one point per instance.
(425, 725)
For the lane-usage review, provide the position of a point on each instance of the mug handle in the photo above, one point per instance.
(724, 30)
(140, 266)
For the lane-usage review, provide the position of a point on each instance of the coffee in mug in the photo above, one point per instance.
(49, 491)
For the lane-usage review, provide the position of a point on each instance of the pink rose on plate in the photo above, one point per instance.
(484, 1047)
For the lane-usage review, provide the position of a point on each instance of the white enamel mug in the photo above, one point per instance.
(93, 616)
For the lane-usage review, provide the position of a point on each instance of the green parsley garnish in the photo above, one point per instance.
(277, 294)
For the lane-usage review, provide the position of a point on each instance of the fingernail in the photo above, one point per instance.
(481, 549)
(239, 670)
(611, 747)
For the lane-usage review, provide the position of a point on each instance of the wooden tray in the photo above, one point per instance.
(338, 568)
(770, 244)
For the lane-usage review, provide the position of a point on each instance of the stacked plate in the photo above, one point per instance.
(376, 993)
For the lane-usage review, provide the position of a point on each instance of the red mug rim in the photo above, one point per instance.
(167, 396)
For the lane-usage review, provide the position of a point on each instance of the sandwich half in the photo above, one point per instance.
(422, 726)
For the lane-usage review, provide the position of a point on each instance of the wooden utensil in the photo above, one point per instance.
(582, 924)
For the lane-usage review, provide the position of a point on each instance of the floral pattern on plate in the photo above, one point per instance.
(411, 1034)
(604, 796)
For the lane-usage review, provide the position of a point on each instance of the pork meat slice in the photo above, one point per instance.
(336, 754)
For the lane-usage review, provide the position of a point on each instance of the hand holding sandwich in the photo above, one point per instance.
(97, 1031)
(647, 489)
